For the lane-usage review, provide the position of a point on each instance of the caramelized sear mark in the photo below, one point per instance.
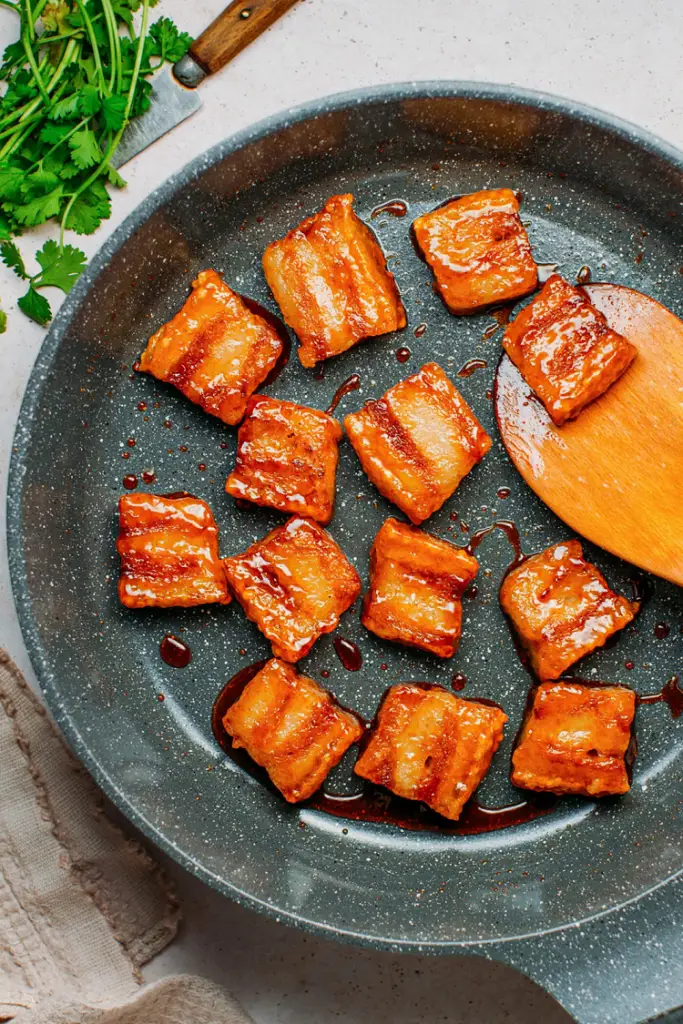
(418, 441)
(478, 250)
(216, 351)
(330, 279)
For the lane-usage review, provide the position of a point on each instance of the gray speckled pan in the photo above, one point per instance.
(586, 900)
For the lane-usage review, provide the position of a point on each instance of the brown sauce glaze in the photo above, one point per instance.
(319, 370)
(283, 334)
(348, 653)
(175, 652)
(471, 366)
(351, 383)
(394, 207)
(372, 803)
(510, 531)
(671, 694)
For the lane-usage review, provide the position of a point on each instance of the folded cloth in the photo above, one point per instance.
(82, 906)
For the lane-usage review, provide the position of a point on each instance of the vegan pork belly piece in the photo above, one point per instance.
(330, 279)
(294, 584)
(292, 727)
(575, 739)
(287, 458)
(562, 608)
(432, 746)
(169, 552)
(478, 250)
(416, 585)
(565, 350)
(418, 441)
(214, 350)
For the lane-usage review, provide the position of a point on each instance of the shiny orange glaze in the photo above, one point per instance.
(416, 583)
(169, 552)
(575, 739)
(418, 441)
(215, 350)
(294, 584)
(330, 279)
(478, 250)
(562, 608)
(564, 349)
(292, 728)
(432, 746)
(287, 458)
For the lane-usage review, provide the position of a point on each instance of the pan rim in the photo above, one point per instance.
(392, 92)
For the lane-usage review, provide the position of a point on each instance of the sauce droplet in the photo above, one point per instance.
(503, 493)
(420, 330)
(130, 481)
(403, 354)
(201, 467)
(510, 531)
(629, 665)
(471, 366)
(131, 442)
(319, 370)
(395, 207)
(584, 275)
(149, 476)
(142, 406)
(351, 383)
(662, 630)
(174, 652)
(348, 653)
(671, 695)
(458, 682)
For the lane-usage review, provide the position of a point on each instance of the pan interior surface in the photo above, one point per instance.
(594, 195)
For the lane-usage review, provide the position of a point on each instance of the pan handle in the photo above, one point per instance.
(620, 968)
(239, 24)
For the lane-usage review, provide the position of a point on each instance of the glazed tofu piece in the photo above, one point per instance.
(294, 584)
(564, 349)
(330, 279)
(287, 458)
(416, 586)
(291, 727)
(418, 441)
(562, 608)
(169, 552)
(478, 250)
(575, 739)
(432, 746)
(215, 350)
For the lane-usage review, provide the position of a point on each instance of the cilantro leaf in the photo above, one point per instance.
(52, 134)
(89, 101)
(113, 110)
(61, 268)
(40, 209)
(114, 177)
(66, 107)
(6, 231)
(38, 182)
(170, 44)
(12, 258)
(11, 180)
(85, 150)
(89, 210)
(35, 306)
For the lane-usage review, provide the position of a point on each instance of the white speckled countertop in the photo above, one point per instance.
(622, 55)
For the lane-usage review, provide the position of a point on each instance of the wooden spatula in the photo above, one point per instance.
(615, 474)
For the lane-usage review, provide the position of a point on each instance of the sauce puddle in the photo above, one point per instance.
(671, 694)
(351, 383)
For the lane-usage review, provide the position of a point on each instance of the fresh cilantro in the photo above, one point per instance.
(62, 116)
(35, 306)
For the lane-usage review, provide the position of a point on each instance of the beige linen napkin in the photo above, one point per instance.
(82, 906)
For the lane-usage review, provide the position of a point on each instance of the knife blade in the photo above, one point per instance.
(174, 90)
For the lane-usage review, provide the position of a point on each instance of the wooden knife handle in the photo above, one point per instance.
(238, 25)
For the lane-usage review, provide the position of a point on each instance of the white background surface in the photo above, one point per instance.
(625, 56)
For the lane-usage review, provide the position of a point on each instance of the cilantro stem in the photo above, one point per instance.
(93, 43)
(114, 46)
(12, 7)
(30, 25)
(31, 58)
(111, 148)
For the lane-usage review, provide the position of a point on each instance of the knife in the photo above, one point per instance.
(174, 95)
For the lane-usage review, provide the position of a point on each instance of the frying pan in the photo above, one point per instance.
(587, 900)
